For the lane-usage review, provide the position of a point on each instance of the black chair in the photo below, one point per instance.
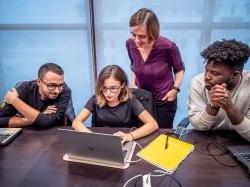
(146, 99)
(181, 128)
(69, 112)
(183, 123)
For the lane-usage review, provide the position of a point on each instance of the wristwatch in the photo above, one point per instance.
(176, 88)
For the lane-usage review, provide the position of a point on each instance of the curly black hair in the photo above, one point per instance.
(230, 52)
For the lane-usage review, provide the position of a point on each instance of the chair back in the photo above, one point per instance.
(69, 113)
(146, 99)
(183, 123)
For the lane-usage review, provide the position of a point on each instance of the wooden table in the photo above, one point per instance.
(34, 158)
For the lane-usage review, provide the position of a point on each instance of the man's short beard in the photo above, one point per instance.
(229, 84)
(208, 87)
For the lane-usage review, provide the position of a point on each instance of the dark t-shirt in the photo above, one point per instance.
(29, 93)
(118, 116)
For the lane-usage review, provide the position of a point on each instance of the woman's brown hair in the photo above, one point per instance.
(118, 74)
(149, 18)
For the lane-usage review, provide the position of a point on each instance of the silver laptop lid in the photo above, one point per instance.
(93, 147)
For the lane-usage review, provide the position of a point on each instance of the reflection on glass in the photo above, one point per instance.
(117, 12)
(26, 51)
(232, 11)
(43, 12)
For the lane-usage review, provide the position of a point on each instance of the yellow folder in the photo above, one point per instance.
(167, 158)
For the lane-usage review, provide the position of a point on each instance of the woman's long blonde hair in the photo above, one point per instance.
(118, 74)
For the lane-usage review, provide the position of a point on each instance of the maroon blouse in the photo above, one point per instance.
(155, 75)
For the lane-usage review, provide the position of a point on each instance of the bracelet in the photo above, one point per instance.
(176, 88)
(132, 136)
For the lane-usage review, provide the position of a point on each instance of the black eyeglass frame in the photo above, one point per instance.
(112, 89)
(51, 86)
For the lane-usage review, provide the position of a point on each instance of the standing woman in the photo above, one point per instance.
(154, 60)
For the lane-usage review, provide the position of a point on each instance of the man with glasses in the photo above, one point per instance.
(40, 102)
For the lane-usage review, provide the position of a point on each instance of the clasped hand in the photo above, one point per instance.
(220, 96)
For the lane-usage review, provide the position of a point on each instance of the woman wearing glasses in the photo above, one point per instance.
(153, 59)
(113, 106)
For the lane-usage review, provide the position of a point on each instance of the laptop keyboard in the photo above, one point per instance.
(246, 156)
(124, 152)
(8, 134)
(3, 137)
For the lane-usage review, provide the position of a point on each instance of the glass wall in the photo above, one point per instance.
(35, 32)
(192, 25)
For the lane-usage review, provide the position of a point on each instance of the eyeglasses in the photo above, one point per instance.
(52, 86)
(112, 89)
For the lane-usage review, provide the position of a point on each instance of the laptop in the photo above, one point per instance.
(96, 148)
(8, 134)
(242, 153)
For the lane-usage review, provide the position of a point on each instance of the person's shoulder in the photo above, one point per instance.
(25, 88)
(66, 88)
(200, 76)
(133, 100)
(92, 99)
(136, 103)
(246, 77)
(130, 43)
(163, 43)
(26, 84)
(198, 80)
(246, 74)
(129, 101)
(91, 103)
